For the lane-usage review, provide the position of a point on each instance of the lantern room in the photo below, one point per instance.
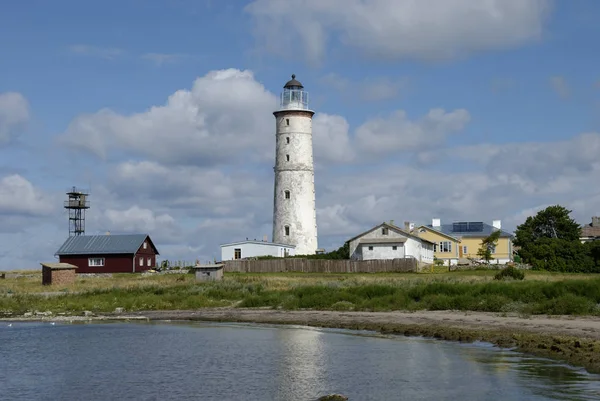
(293, 97)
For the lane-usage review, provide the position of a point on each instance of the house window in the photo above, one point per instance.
(465, 249)
(435, 247)
(149, 262)
(287, 121)
(384, 231)
(394, 248)
(370, 248)
(237, 253)
(96, 262)
(287, 158)
(287, 139)
(445, 246)
(287, 230)
(145, 245)
(141, 261)
(287, 194)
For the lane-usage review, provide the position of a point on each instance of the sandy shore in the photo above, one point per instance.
(581, 327)
(575, 340)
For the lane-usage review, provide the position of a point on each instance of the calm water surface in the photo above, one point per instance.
(160, 361)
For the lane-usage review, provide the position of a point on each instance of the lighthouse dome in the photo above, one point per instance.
(293, 83)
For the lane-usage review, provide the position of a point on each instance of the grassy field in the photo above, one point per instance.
(539, 293)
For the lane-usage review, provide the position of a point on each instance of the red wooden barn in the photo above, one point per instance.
(130, 253)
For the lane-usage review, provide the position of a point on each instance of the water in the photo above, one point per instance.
(160, 361)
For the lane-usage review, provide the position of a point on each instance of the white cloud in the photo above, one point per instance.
(433, 29)
(331, 141)
(138, 219)
(224, 118)
(398, 133)
(370, 89)
(14, 113)
(560, 86)
(203, 192)
(536, 162)
(18, 196)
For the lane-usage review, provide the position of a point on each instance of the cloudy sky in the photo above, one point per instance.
(457, 109)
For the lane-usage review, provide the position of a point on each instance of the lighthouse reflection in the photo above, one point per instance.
(301, 363)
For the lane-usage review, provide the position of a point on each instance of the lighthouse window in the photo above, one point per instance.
(287, 121)
(287, 139)
(287, 230)
(287, 158)
(287, 194)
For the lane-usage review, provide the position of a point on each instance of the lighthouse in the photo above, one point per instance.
(294, 212)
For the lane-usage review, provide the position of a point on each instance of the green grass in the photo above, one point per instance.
(539, 293)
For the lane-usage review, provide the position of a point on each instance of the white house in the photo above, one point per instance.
(248, 249)
(387, 241)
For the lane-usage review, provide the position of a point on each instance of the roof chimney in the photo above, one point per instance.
(265, 238)
(391, 222)
(436, 222)
(407, 226)
(497, 224)
(596, 221)
(108, 233)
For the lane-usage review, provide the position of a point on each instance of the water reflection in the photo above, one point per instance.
(539, 375)
(300, 363)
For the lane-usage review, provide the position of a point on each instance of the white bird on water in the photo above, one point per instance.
(10, 325)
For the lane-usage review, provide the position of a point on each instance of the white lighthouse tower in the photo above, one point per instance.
(294, 213)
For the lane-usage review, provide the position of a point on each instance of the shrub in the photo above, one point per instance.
(342, 306)
(510, 273)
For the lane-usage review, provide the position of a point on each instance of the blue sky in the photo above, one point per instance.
(446, 109)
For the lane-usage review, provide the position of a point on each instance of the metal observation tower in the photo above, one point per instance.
(77, 204)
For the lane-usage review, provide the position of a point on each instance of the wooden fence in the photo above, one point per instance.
(320, 266)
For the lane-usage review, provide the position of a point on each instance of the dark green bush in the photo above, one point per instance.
(510, 272)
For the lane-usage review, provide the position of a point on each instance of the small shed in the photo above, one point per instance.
(58, 273)
(209, 272)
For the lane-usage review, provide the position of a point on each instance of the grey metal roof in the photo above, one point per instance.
(483, 229)
(102, 244)
(293, 83)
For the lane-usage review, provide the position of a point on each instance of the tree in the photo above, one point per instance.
(343, 252)
(593, 250)
(550, 241)
(488, 245)
(552, 222)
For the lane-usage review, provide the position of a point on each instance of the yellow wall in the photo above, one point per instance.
(503, 248)
(436, 238)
